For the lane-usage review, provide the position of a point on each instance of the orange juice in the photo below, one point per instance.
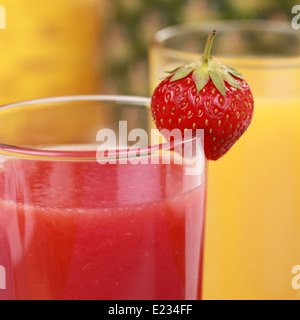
(253, 205)
(50, 48)
(252, 233)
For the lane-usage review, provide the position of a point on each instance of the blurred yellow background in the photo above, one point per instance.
(50, 49)
(67, 47)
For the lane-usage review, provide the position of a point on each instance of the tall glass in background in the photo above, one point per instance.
(50, 48)
(253, 213)
(75, 226)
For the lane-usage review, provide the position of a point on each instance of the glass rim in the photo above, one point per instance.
(280, 27)
(11, 151)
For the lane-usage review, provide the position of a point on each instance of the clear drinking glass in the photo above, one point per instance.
(252, 230)
(84, 216)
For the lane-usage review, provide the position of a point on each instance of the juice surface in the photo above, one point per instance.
(79, 230)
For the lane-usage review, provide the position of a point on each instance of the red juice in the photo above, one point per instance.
(80, 230)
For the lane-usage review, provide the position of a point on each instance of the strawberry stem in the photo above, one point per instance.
(206, 54)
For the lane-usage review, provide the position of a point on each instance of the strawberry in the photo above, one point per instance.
(205, 95)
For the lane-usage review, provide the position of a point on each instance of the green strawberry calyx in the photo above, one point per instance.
(206, 69)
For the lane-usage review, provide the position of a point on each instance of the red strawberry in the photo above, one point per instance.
(205, 95)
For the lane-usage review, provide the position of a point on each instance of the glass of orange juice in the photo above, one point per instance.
(253, 220)
(50, 48)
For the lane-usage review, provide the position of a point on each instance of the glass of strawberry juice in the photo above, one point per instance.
(90, 211)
